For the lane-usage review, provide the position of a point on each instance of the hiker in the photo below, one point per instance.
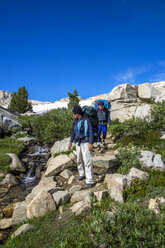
(82, 134)
(104, 118)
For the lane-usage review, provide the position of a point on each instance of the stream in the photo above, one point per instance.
(34, 162)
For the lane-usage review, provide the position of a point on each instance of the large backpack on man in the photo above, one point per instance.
(91, 113)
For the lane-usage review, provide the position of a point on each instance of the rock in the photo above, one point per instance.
(19, 214)
(143, 111)
(154, 206)
(27, 140)
(1, 214)
(106, 161)
(100, 195)
(22, 229)
(150, 160)
(116, 152)
(124, 92)
(10, 179)
(40, 205)
(5, 223)
(8, 119)
(8, 211)
(111, 146)
(116, 180)
(16, 163)
(75, 188)
(66, 173)
(31, 164)
(146, 159)
(25, 160)
(162, 201)
(80, 195)
(72, 156)
(160, 97)
(61, 197)
(3, 190)
(60, 146)
(124, 111)
(147, 92)
(81, 207)
(57, 164)
(158, 162)
(71, 179)
(46, 184)
(2, 175)
(136, 173)
(109, 135)
(162, 137)
(116, 193)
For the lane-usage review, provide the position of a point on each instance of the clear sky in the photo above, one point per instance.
(54, 46)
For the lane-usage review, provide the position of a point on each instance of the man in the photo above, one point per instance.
(104, 118)
(82, 134)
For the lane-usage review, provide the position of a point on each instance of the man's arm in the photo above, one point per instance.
(72, 137)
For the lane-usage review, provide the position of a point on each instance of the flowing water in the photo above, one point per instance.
(35, 165)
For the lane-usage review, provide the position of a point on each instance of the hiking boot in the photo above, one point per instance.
(103, 142)
(81, 178)
(89, 185)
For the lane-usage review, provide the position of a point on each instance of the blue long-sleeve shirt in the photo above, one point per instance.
(82, 131)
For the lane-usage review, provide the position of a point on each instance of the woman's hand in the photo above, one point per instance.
(90, 147)
(70, 146)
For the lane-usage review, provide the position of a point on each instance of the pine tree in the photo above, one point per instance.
(19, 101)
(73, 99)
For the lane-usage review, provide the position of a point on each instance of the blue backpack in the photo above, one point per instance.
(107, 103)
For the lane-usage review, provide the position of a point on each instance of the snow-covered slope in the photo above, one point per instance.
(41, 108)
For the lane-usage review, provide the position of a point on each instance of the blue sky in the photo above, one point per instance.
(53, 47)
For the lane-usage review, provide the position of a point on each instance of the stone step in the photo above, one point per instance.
(106, 161)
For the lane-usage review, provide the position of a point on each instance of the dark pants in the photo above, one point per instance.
(102, 128)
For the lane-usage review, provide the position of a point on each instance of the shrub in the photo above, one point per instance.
(132, 127)
(148, 140)
(142, 190)
(51, 126)
(158, 115)
(128, 158)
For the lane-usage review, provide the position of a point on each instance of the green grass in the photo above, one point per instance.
(65, 153)
(113, 126)
(8, 145)
(131, 226)
(1, 178)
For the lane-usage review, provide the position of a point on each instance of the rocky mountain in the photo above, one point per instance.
(127, 100)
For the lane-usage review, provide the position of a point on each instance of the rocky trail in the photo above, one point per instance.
(58, 185)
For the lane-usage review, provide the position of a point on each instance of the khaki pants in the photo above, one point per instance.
(84, 162)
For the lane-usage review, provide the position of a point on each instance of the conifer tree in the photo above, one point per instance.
(73, 99)
(19, 101)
